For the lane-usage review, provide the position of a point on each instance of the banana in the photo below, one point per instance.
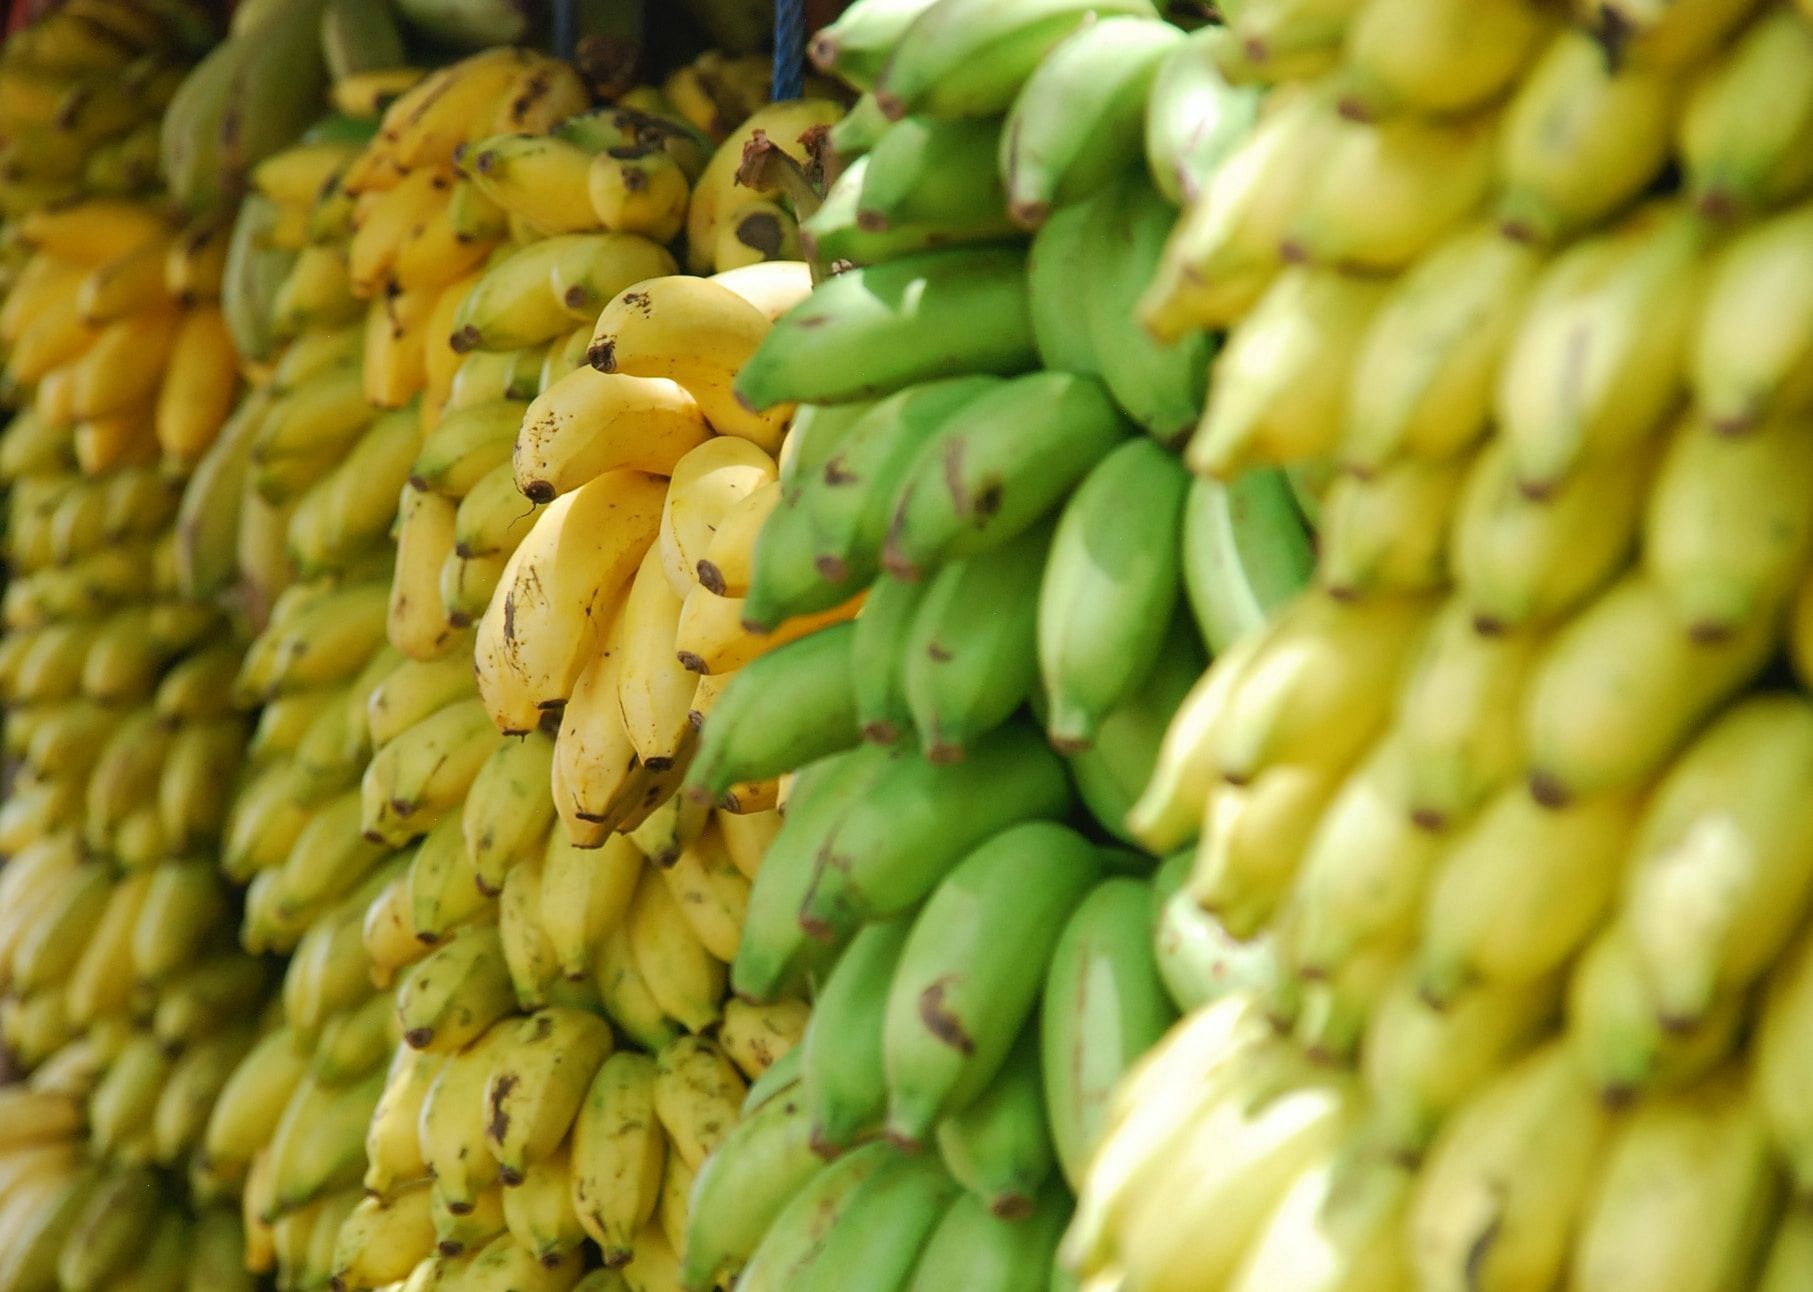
(451, 1124)
(969, 1247)
(843, 1086)
(416, 621)
(250, 1102)
(542, 179)
(537, 1083)
(1199, 961)
(588, 423)
(873, 346)
(1079, 112)
(618, 1154)
(1761, 883)
(319, 1144)
(539, 1211)
(584, 896)
(639, 191)
(1746, 359)
(100, 980)
(716, 191)
(932, 173)
(686, 980)
(855, 46)
(731, 1212)
(51, 947)
(1273, 1117)
(800, 1231)
(867, 869)
(946, 1034)
(1569, 706)
(555, 584)
(1277, 389)
(1227, 249)
(393, 1152)
(757, 1037)
(654, 690)
(504, 1264)
(1731, 168)
(458, 991)
(1630, 295)
(877, 666)
(1135, 590)
(881, 1227)
(1102, 1007)
(1339, 1225)
(1779, 1043)
(1580, 139)
(1710, 1141)
(974, 487)
(596, 778)
(492, 517)
(970, 60)
(712, 893)
(792, 707)
(206, 997)
(116, 1222)
(506, 812)
(999, 1146)
(1422, 382)
(1718, 567)
(188, 1096)
(34, 1247)
(535, 294)
(527, 952)
(410, 692)
(381, 1241)
(424, 773)
(1384, 193)
(1497, 1198)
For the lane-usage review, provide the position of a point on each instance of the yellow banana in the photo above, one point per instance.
(452, 1124)
(416, 620)
(542, 625)
(382, 1240)
(537, 1084)
(539, 178)
(694, 332)
(587, 423)
(449, 999)
(424, 773)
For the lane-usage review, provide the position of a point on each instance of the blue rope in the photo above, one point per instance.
(565, 38)
(789, 48)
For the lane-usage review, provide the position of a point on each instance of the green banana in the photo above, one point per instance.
(880, 1229)
(968, 58)
(880, 328)
(887, 850)
(1159, 385)
(745, 1183)
(970, 974)
(784, 579)
(924, 171)
(775, 952)
(1110, 587)
(974, 1249)
(1080, 116)
(843, 1086)
(816, 432)
(1060, 258)
(997, 466)
(1246, 552)
(847, 502)
(835, 231)
(800, 1232)
(1194, 117)
(791, 706)
(877, 671)
(1112, 774)
(1104, 1006)
(970, 655)
(855, 47)
(999, 1146)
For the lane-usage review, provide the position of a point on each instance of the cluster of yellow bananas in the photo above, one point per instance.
(1518, 849)
(80, 96)
(455, 951)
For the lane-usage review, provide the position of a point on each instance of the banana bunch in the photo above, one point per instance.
(1518, 929)
(81, 91)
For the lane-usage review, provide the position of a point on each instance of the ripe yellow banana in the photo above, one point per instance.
(542, 625)
(588, 422)
(695, 332)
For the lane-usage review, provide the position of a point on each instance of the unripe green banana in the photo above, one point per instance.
(877, 667)
(958, 1000)
(791, 706)
(894, 845)
(1103, 1006)
(981, 480)
(999, 1145)
(933, 172)
(843, 1087)
(881, 1229)
(969, 657)
(1109, 588)
(796, 1235)
(860, 343)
